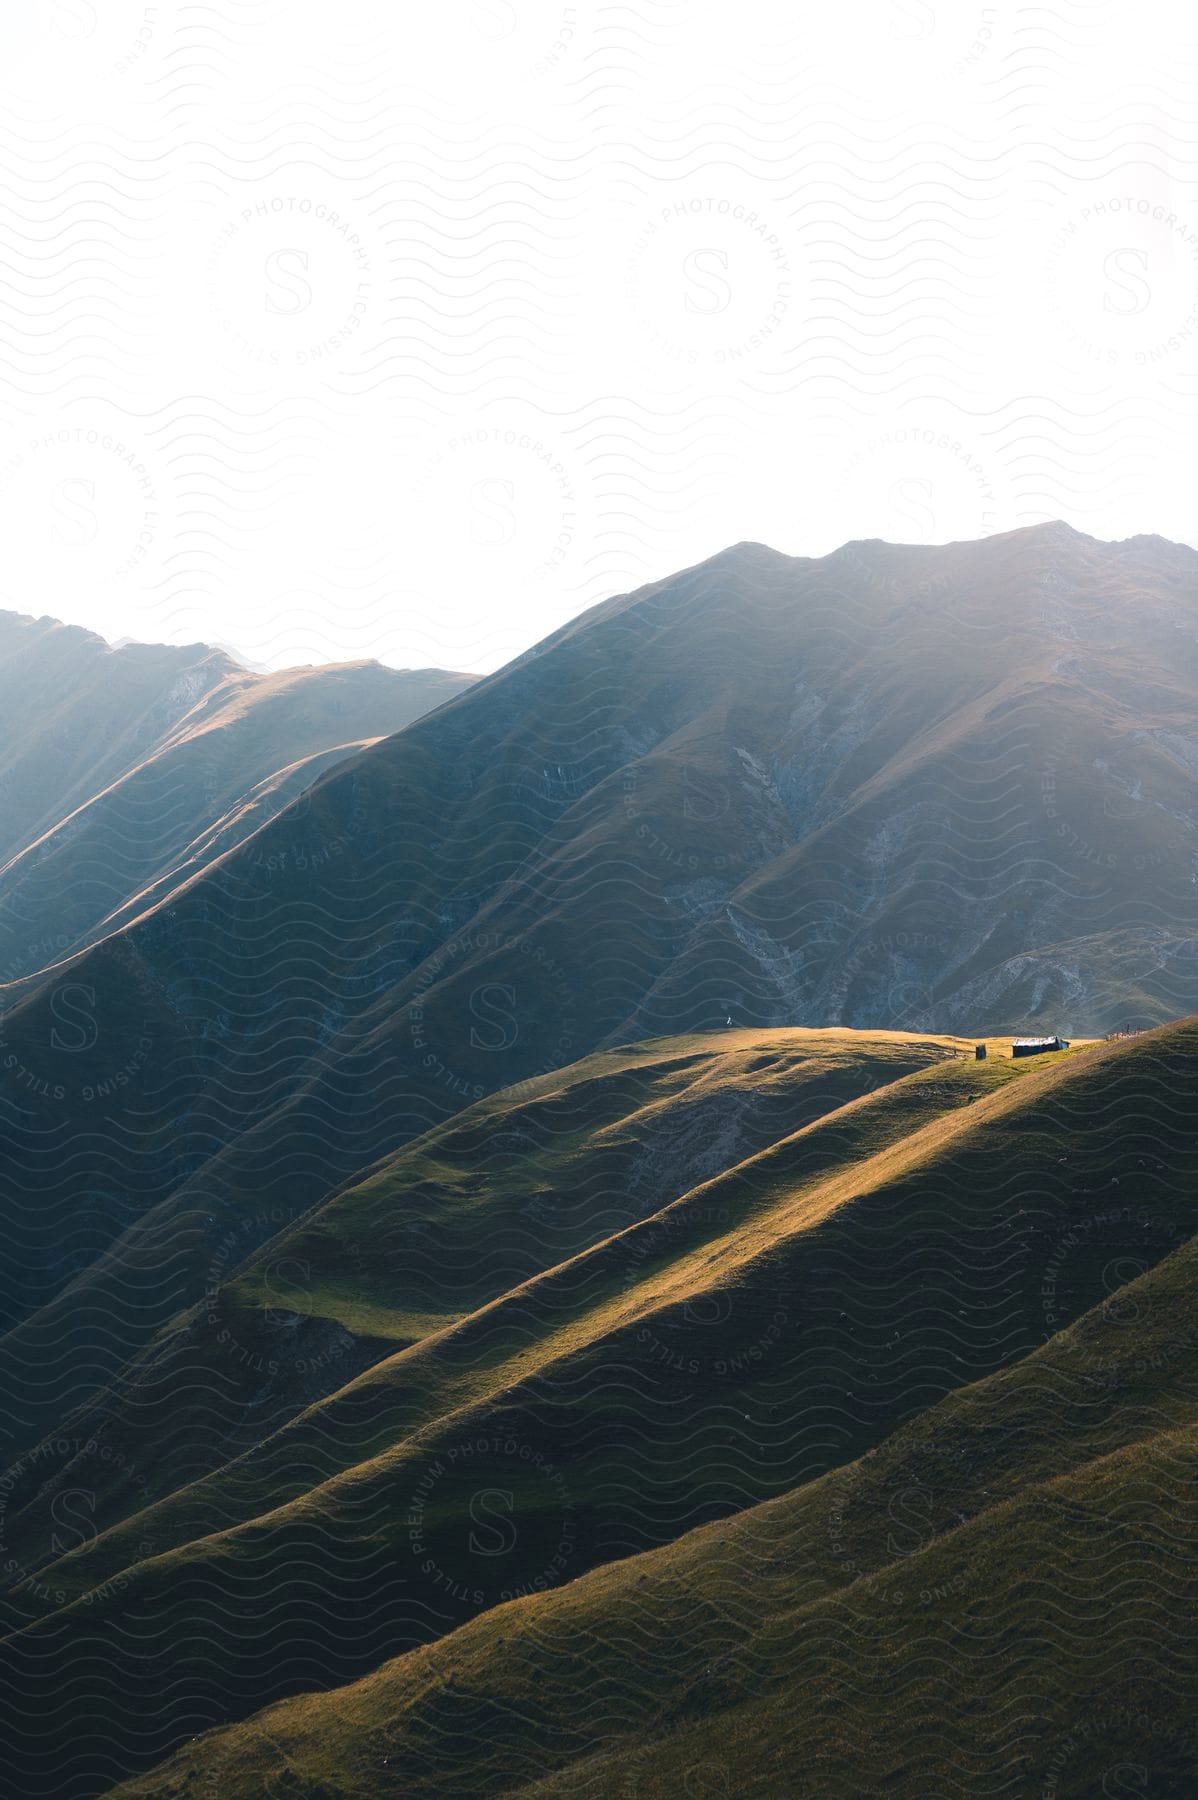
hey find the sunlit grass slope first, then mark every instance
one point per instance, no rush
(773, 1324)
(1001, 1598)
(997, 1598)
(475, 1207)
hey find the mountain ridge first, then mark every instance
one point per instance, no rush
(127, 765)
(723, 796)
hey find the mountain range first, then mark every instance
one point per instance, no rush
(588, 1067)
(126, 770)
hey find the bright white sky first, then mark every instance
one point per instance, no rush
(408, 330)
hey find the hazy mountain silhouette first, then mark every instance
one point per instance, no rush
(125, 769)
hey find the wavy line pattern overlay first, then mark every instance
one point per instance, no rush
(531, 1265)
(409, 337)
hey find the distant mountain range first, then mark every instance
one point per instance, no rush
(298, 1197)
(124, 771)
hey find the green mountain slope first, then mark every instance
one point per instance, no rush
(828, 1298)
(899, 1627)
(503, 1191)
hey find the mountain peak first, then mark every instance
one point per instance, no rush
(1055, 531)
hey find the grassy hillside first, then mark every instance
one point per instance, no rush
(501, 1192)
(901, 1270)
(999, 1599)
(883, 788)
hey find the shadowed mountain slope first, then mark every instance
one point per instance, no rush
(999, 1599)
(949, 788)
(79, 715)
(127, 770)
(821, 1299)
(510, 1187)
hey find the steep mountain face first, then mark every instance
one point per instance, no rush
(78, 715)
(903, 1378)
(949, 788)
(125, 771)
